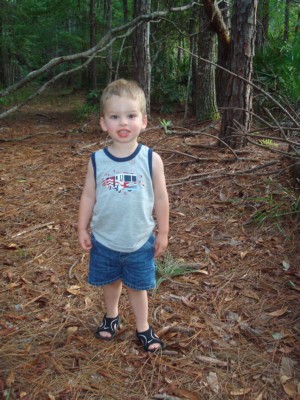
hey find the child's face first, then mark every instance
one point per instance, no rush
(123, 119)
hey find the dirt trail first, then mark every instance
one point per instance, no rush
(232, 326)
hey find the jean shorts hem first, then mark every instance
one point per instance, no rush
(149, 287)
(104, 283)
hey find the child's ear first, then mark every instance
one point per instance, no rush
(102, 124)
(145, 121)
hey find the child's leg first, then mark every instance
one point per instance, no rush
(139, 303)
(112, 294)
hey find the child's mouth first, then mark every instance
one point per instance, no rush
(123, 134)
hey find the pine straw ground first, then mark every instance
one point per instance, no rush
(232, 327)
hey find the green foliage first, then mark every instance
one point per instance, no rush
(19, 96)
(268, 142)
(169, 268)
(277, 67)
(92, 98)
(170, 76)
(166, 125)
(83, 112)
(91, 106)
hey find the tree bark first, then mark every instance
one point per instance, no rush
(93, 65)
(206, 103)
(262, 25)
(141, 49)
(217, 20)
(125, 11)
(223, 52)
(238, 99)
(2, 54)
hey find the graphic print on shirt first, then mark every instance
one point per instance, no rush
(123, 182)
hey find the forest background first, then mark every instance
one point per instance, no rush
(223, 86)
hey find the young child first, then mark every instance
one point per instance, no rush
(124, 182)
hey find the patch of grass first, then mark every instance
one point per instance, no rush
(19, 96)
(169, 268)
(278, 205)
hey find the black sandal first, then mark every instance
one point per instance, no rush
(148, 338)
(109, 325)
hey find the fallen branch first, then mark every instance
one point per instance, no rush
(20, 139)
(212, 136)
(207, 176)
(33, 228)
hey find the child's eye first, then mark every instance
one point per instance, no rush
(132, 116)
(113, 116)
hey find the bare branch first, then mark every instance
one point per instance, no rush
(98, 47)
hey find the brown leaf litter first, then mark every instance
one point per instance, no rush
(232, 329)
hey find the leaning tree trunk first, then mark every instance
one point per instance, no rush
(238, 100)
(206, 103)
(141, 49)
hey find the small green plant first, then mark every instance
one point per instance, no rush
(268, 142)
(166, 124)
(22, 253)
(92, 98)
(168, 268)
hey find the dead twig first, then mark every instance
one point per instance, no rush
(71, 275)
(33, 228)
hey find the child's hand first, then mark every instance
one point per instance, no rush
(161, 243)
(85, 240)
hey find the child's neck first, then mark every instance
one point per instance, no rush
(122, 150)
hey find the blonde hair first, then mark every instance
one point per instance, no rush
(123, 87)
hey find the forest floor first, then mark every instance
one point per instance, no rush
(231, 325)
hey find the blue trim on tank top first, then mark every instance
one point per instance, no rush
(123, 159)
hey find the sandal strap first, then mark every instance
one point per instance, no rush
(148, 338)
(109, 325)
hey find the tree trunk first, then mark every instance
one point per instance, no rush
(125, 11)
(93, 65)
(238, 100)
(193, 61)
(2, 80)
(5, 58)
(206, 103)
(297, 27)
(223, 52)
(262, 25)
(141, 50)
(286, 20)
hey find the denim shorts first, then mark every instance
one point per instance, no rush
(136, 270)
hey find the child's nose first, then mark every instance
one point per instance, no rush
(123, 121)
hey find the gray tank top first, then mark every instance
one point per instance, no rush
(122, 217)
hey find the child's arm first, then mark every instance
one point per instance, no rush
(87, 202)
(161, 205)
